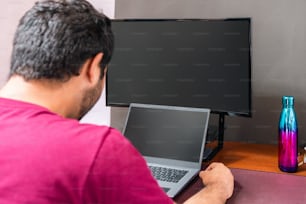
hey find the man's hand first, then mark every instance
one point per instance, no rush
(219, 178)
(219, 185)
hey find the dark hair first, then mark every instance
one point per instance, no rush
(55, 37)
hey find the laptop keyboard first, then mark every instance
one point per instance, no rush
(167, 174)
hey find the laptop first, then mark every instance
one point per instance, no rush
(171, 139)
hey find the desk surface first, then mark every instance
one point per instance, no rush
(260, 157)
(248, 163)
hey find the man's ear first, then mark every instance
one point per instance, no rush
(91, 69)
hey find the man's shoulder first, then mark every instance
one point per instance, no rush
(88, 133)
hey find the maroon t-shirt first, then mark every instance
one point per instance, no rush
(45, 158)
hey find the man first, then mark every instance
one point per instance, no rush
(60, 54)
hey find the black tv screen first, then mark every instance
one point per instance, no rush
(204, 63)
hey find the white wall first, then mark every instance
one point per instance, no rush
(11, 12)
(9, 16)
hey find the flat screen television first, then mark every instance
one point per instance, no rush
(204, 63)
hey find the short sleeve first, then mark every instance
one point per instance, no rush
(119, 174)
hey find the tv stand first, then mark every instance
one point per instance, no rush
(214, 145)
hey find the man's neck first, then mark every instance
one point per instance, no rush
(50, 95)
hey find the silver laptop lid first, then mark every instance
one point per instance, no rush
(167, 132)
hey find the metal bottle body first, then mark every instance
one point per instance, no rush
(288, 137)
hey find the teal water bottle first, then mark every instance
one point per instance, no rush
(288, 137)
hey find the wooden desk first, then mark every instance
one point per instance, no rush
(235, 155)
(260, 157)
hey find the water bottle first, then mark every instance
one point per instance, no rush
(288, 137)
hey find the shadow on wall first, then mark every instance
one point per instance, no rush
(263, 126)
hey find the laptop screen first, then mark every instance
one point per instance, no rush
(166, 131)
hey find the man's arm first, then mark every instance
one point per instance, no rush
(219, 185)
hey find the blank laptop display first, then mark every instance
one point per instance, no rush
(171, 139)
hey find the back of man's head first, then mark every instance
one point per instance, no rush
(55, 37)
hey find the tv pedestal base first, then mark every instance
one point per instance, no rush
(215, 144)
